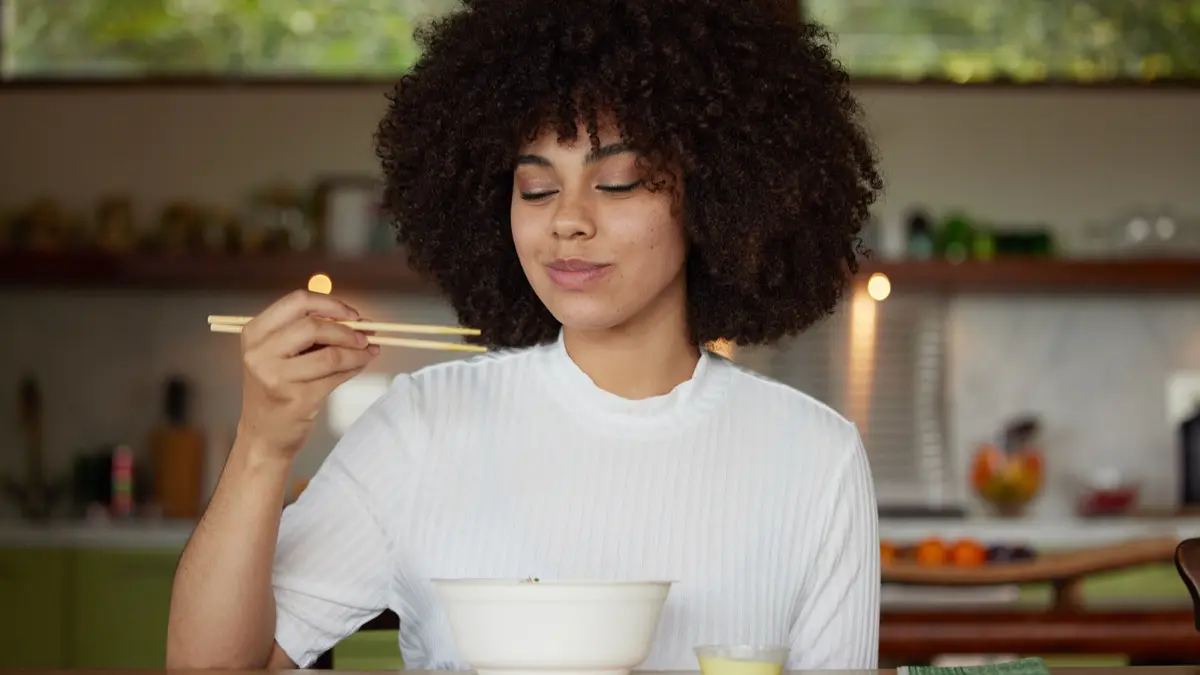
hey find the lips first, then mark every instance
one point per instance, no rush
(576, 273)
(574, 265)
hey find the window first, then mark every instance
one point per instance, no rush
(906, 40)
(1017, 40)
(123, 39)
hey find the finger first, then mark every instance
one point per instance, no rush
(311, 332)
(366, 319)
(293, 306)
(326, 362)
(336, 380)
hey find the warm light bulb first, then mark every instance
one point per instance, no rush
(319, 283)
(879, 286)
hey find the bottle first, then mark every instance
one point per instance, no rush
(177, 456)
(955, 238)
(920, 236)
(122, 502)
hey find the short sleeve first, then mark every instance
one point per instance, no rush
(332, 567)
(838, 625)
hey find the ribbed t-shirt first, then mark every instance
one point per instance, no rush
(755, 498)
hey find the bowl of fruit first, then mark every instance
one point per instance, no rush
(1008, 474)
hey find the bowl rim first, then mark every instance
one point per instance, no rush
(506, 581)
(743, 645)
(782, 651)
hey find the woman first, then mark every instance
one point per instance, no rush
(602, 188)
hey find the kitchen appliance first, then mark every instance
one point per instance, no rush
(1189, 456)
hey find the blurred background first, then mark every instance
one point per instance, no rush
(1021, 352)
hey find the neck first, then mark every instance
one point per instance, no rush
(638, 360)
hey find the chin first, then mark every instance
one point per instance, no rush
(585, 314)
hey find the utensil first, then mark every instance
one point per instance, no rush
(529, 627)
(234, 324)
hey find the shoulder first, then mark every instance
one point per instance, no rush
(454, 386)
(462, 377)
(395, 429)
(785, 404)
(804, 426)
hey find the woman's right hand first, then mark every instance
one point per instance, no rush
(293, 356)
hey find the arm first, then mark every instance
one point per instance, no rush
(301, 582)
(229, 556)
(222, 611)
(838, 625)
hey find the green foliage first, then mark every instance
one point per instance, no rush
(212, 37)
(1022, 40)
(963, 40)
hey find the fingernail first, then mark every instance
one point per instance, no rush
(373, 349)
(362, 339)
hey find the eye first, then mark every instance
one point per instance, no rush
(537, 195)
(620, 188)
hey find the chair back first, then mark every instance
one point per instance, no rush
(1187, 563)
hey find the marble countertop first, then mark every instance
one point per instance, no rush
(1048, 533)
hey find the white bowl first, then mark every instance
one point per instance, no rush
(521, 627)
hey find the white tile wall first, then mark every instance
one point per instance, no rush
(1094, 368)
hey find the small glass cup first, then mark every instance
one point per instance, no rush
(742, 659)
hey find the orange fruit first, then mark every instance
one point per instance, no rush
(984, 465)
(968, 553)
(931, 552)
(887, 553)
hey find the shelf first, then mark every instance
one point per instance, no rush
(1032, 275)
(267, 272)
(389, 273)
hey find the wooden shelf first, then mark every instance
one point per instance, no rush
(1032, 275)
(389, 273)
(267, 272)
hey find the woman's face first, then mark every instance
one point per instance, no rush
(600, 250)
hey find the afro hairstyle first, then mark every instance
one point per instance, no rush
(750, 107)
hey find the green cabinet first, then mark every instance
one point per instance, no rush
(1154, 585)
(34, 630)
(108, 607)
(119, 607)
(369, 650)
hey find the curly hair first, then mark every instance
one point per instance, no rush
(753, 110)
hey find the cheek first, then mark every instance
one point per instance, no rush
(522, 229)
(656, 239)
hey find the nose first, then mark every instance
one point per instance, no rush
(573, 219)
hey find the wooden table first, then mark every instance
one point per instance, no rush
(1146, 636)
(1149, 636)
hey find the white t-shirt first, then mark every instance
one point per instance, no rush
(755, 498)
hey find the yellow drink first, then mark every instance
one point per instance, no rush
(718, 665)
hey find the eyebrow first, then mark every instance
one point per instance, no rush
(594, 156)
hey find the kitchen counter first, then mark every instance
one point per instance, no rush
(81, 534)
(1059, 533)
(1066, 533)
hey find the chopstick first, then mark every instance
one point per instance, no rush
(234, 324)
(377, 326)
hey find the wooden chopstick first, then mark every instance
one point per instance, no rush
(381, 341)
(374, 326)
